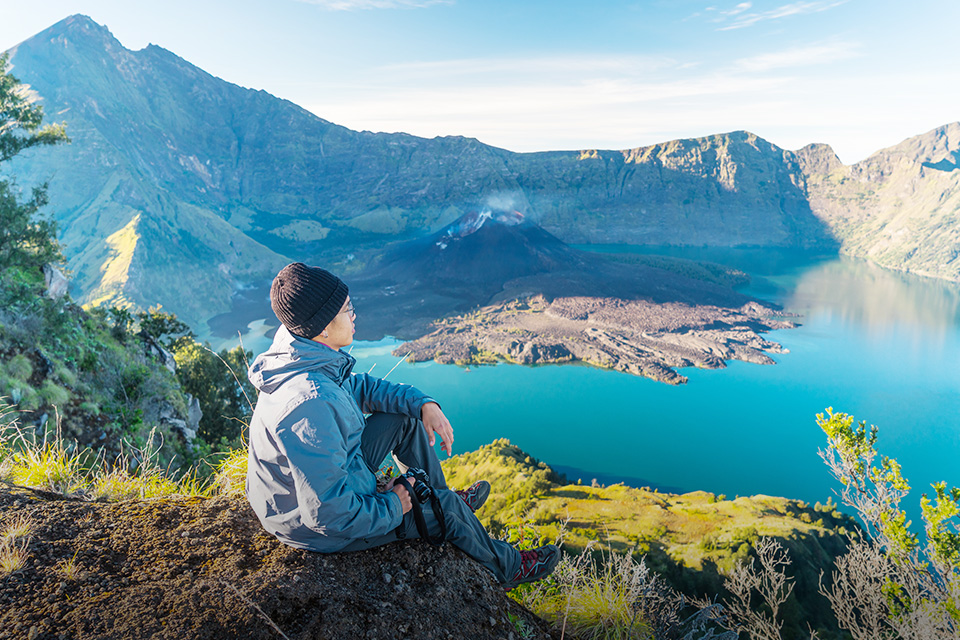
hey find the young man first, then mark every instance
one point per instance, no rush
(313, 455)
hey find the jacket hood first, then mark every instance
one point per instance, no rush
(291, 355)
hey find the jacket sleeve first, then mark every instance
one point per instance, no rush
(374, 394)
(328, 504)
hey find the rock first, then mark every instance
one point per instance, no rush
(194, 412)
(638, 337)
(154, 349)
(169, 416)
(56, 282)
(239, 582)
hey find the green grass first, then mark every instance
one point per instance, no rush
(52, 464)
(19, 367)
(47, 463)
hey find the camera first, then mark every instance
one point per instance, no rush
(424, 493)
(422, 488)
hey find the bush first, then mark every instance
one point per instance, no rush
(53, 394)
(618, 598)
(19, 367)
(889, 584)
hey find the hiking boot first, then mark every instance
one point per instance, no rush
(475, 495)
(535, 564)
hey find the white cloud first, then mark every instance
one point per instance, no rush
(613, 102)
(817, 54)
(354, 5)
(742, 19)
(740, 8)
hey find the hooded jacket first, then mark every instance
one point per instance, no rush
(307, 480)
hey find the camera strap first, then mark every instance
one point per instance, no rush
(418, 516)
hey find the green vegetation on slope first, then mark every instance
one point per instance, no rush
(691, 539)
(100, 379)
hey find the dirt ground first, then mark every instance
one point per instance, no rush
(202, 568)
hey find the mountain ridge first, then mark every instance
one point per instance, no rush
(233, 182)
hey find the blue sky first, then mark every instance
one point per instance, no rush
(564, 74)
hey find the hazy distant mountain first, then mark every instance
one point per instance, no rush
(178, 186)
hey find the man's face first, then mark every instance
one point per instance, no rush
(339, 333)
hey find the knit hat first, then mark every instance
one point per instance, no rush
(306, 298)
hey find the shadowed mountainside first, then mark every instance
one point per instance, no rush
(491, 256)
(900, 207)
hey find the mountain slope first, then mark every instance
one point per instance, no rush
(121, 191)
(900, 207)
(228, 182)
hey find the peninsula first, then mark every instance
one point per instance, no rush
(634, 336)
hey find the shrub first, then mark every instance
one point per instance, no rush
(19, 367)
(53, 394)
(889, 584)
(618, 598)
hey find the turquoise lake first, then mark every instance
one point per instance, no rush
(880, 345)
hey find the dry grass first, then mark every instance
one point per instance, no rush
(53, 465)
(14, 541)
(68, 569)
(13, 556)
(617, 597)
(230, 478)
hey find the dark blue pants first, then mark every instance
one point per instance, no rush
(407, 439)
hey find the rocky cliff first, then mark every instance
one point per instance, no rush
(178, 181)
(899, 208)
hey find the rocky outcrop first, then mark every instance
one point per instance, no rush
(55, 282)
(194, 568)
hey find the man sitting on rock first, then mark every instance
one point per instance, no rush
(311, 477)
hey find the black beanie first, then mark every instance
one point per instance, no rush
(306, 299)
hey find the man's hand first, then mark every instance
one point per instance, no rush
(405, 500)
(436, 423)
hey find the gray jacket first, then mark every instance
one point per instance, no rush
(307, 480)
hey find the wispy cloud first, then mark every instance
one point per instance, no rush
(538, 66)
(740, 8)
(817, 54)
(359, 5)
(603, 100)
(741, 16)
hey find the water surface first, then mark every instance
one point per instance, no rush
(881, 345)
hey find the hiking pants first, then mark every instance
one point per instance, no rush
(407, 439)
